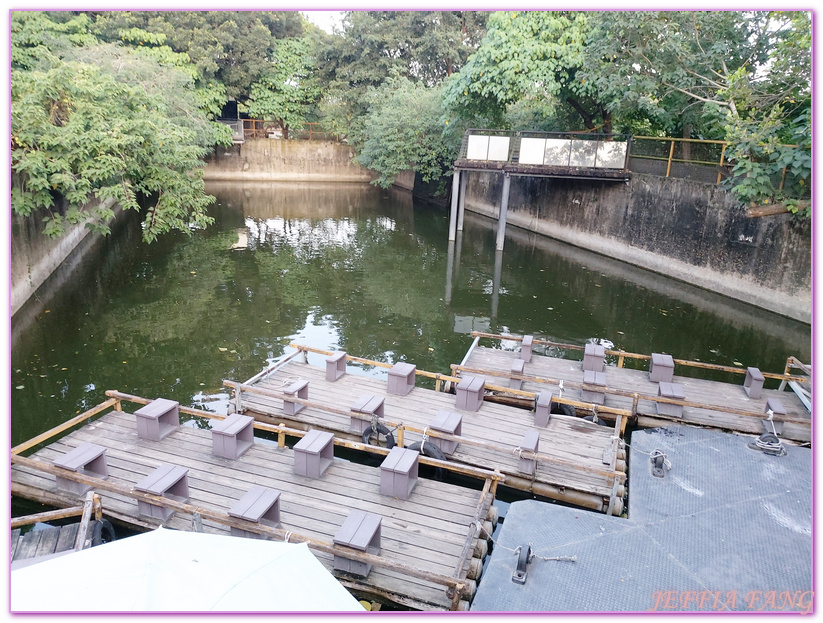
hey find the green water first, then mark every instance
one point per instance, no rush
(349, 267)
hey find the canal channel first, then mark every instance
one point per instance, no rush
(348, 267)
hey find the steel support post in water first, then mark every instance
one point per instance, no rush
(498, 270)
(504, 207)
(455, 197)
(461, 205)
(449, 271)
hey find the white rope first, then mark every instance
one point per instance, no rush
(652, 455)
(560, 393)
(770, 446)
(656, 453)
(516, 551)
(288, 535)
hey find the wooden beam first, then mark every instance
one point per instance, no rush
(64, 426)
(60, 513)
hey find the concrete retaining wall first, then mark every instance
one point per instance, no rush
(689, 230)
(34, 257)
(276, 160)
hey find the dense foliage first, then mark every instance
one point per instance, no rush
(94, 121)
(119, 105)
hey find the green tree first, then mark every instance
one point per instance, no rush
(425, 46)
(533, 57)
(287, 90)
(405, 128)
(232, 48)
(98, 121)
(744, 76)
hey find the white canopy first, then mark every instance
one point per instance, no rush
(171, 570)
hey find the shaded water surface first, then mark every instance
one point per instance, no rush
(350, 267)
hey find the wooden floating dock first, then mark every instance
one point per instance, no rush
(576, 461)
(37, 545)
(431, 552)
(706, 403)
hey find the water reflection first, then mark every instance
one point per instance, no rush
(342, 266)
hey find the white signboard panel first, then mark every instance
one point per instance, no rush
(583, 153)
(557, 152)
(611, 155)
(532, 150)
(478, 147)
(499, 148)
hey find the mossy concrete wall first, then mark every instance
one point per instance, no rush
(277, 160)
(34, 256)
(692, 231)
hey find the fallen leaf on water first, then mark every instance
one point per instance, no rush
(193, 272)
(431, 350)
(620, 333)
(222, 350)
(67, 368)
(20, 387)
(48, 311)
(737, 363)
(233, 351)
(125, 362)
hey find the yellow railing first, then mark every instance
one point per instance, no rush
(720, 162)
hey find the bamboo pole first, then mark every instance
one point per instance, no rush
(64, 426)
(430, 432)
(226, 520)
(60, 513)
(468, 550)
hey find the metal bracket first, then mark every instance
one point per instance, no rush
(657, 465)
(519, 575)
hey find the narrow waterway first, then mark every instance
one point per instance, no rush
(350, 267)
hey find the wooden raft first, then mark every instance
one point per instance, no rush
(495, 366)
(51, 540)
(577, 461)
(431, 532)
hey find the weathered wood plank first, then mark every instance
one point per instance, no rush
(68, 535)
(27, 548)
(15, 539)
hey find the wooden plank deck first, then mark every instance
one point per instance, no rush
(43, 542)
(714, 393)
(580, 446)
(429, 531)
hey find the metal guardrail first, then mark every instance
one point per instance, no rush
(268, 128)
